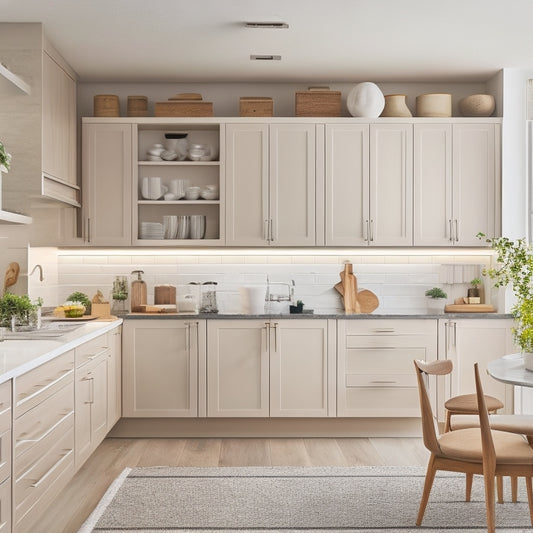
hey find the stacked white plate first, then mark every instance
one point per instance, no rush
(151, 230)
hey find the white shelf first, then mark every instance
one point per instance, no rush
(7, 217)
(14, 79)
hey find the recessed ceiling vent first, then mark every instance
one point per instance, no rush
(264, 57)
(268, 25)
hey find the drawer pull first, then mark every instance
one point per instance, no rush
(384, 330)
(25, 397)
(47, 432)
(384, 381)
(43, 478)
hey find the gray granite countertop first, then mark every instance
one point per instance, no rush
(316, 315)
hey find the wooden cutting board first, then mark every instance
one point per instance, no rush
(12, 275)
(366, 301)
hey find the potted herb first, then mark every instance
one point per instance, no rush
(474, 290)
(298, 308)
(514, 269)
(20, 307)
(434, 297)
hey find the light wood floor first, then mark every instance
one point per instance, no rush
(87, 487)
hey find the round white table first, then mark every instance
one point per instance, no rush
(510, 369)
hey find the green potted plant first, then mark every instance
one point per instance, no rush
(434, 297)
(474, 290)
(20, 307)
(514, 269)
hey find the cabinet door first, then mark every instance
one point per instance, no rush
(160, 368)
(474, 182)
(90, 425)
(107, 179)
(347, 192)
(114, 377)
(247, 201)
(59, 122)
(391, 185)
(237, 368)
(292, 184)
(470, 341)
(433, 185)
(300, 369)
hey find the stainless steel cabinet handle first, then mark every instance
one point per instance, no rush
(384, 381)
(275, 326)
(366, 231)
(384, 330)
(451, 231)
(266, 329)
(456, 230)
(265, 231)
(271, 231)
(371, 230)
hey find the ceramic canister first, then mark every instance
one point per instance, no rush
(395, 106)
(434, 105)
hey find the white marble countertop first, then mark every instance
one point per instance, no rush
(510, 369)
(19, 356)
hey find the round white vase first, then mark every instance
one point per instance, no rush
(528, 360)
(365, 100)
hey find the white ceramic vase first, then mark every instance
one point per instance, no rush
(528, 360)
(365, 100)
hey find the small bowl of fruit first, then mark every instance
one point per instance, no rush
(72, 309)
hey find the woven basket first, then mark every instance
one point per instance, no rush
(137, 106)
(184, 108)
(106, 105)
(318, 104)
(256, 106)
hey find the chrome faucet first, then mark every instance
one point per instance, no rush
(280, 297)
(41, 278)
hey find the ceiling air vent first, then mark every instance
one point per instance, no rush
(268, 25)
(264, 57)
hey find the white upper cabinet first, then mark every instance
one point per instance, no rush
(271, 184)
(456, 183)
(369, 185)
(107, 182)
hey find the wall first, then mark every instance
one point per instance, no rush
(399, 279)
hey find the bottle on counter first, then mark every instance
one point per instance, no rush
(209, 297)
(119, 294)
(138, 293)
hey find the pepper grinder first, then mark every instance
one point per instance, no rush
(138, 293)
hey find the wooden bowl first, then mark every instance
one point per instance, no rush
(477, 105)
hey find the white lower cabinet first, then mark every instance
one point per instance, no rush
(161, 367)
(276, 368)
(114, 377)
(5, 456)
(375, 372)
(469, 341)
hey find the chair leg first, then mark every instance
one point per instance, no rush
(530, 498)
(469, 479)
(447, 422)
(489, 501)
(430, 476)
(514, 489)
(499, 488)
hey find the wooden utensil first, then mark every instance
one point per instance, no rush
(12, 275)
(349, 282)
(366, 301)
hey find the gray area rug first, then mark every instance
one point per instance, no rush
(294, 499)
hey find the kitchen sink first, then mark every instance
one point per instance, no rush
(48, 330)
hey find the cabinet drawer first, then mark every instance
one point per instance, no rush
(44, 477)
(38, 384)
(378, 360)
(371, 402)
(91, 350)
(390, 327)
(5, 506)
(5, 455)
(5, 407)
(381, 380)
(34, 427)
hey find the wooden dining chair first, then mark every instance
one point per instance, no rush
(480, 450)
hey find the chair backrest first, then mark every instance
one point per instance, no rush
(487, 443)
(429, 424)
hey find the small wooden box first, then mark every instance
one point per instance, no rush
(256, 106)
(318, 104)
(101, 310)
(185, 108)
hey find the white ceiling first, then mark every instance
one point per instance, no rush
(327, 40)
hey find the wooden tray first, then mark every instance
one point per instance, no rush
(469, 308)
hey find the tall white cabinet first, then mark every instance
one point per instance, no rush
(271, 184)
(456, 177)
(369, 184)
